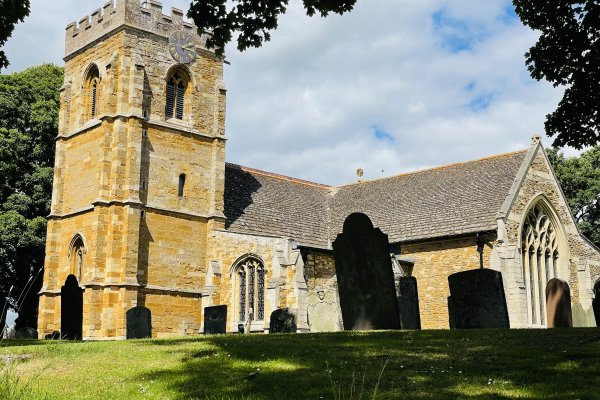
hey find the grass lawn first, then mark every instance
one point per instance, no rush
(474, 364)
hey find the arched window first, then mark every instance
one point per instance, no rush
(540, 258)
(176, 87)
(76, 256)
(181, 185)
(250, 282)
(92, 81)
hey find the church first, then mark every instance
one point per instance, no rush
(147, 213)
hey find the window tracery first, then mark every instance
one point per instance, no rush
(251, 290)
(540, 260)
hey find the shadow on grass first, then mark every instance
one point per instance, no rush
(21, 342)
(477, 364)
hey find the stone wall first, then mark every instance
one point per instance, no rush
(434, 262)
(116, 174)
(284, 271)
(578, 258)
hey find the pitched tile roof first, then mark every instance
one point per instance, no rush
(262, 203)
(449, 200)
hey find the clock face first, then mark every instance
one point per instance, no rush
(182, 47)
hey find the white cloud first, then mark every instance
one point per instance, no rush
(305, 104)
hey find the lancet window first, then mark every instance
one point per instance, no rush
(540, 256)
(251, 290)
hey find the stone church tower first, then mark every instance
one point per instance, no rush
(139, 174)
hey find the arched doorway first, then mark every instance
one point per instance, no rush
(596, 302)
(71, 306)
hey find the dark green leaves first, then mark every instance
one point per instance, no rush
(580, 180)
(11, 12)
(251, 19)
(29, 105)
(567, 54)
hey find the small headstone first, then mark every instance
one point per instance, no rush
(558, 304)
(283, 320)
(579, 316)
(365, 276)
(139, 323)
(323, 310)
(55, 335)
(215, 320)
(26, 333)
(477, 300)
(408, 303)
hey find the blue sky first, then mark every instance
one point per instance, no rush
(394, 86)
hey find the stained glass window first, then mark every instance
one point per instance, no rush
(540, 260)
(251, 289)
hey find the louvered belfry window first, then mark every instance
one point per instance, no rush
(92, 81)
(251, 290)
(540, 260)
(94, 99)
(175, 97)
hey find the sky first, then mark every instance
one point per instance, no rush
(394, 86)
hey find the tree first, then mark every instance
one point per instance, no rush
(29, 104)
(11, 13)
(252, 19)
(567, 54)
(580, 181)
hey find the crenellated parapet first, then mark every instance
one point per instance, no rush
(115, 14)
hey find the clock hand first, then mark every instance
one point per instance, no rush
(189, 47)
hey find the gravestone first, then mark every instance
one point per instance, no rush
(26, 333)
(408, 303)
(558, 304)
(139, 323)
(71, 313)
(215, 320)
(55, 335)
(365, 277)
(324, 313)
(283, 320)
(477, 300)
(596, 303)
(579, 316)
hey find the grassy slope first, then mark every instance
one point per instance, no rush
(503, 364)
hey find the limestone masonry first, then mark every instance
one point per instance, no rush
(147, 213)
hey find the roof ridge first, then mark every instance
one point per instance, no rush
(278, 176)
(440, 167)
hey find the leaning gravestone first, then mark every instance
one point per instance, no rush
(408, 303)
(558, 304)
(139, 323)
(477, 300)
(215, 320)
(283, 320)
(26, 333)
(365, 277)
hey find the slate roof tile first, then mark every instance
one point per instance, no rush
(450, 200)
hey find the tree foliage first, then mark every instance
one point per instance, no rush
(29, 104)
(11, 13)
(251, 19)
(580, 181)
(567, 54)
